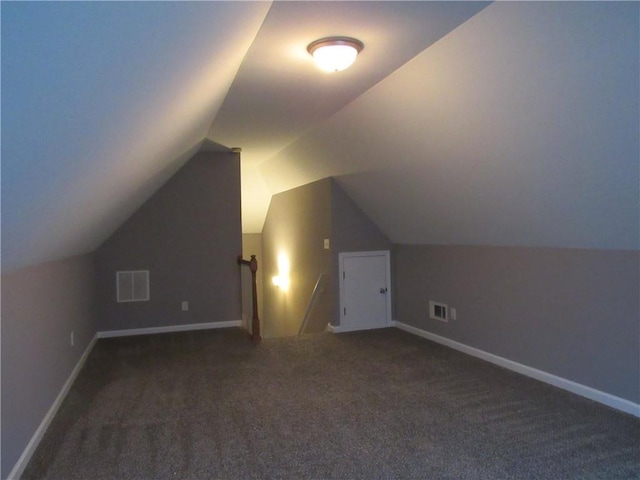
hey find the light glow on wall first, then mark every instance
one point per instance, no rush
(282, 280)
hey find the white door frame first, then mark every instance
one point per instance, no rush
(377, 253)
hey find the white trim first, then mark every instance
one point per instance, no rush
(169, 328)
(618, 403)
(377, 253)
(22, 462)
(341, 329)
(334, 329)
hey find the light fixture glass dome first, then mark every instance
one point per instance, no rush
(335, 53)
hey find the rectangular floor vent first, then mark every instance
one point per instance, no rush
(438, 311)
(132, 286)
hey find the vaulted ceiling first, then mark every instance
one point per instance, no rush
(460, 122)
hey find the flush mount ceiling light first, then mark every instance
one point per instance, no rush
(334, 54)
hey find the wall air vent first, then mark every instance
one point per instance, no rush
(438, 311)
(132, 286)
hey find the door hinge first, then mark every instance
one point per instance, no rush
(345, 311)
(343, 275)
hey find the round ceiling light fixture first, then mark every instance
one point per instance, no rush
(334, 54)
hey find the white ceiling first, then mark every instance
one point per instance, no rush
(512, 124)
(101, 103)
(278, 93)
(520, 128)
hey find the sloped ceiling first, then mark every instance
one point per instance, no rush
(101, 103)
(460, 123)
(279, 94)
(520, 128)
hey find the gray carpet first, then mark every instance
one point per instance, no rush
(364, 405)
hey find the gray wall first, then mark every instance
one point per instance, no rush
(570, 312)
(352, 231)
(297, 223)
(41, 306)
(188, 235)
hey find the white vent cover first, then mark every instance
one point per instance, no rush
(438, 311)
(132, 286)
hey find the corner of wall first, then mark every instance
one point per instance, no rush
(297, 223)
(188, 235)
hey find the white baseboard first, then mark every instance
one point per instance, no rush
(22, 462)
(334, 329)
(342, 329)
(168, 329)
(571, 386)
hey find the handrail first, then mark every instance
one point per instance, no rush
(312, 301)
(255, 321)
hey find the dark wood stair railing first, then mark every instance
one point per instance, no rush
(255, 321)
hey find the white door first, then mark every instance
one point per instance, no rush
(365, 290)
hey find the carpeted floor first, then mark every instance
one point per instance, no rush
(364, 405)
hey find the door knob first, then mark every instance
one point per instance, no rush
(383, 290)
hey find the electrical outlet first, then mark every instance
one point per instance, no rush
(72, 340)
(327, 244)
(452, 313)
(185, 306)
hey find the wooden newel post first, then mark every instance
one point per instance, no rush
(255, 321)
